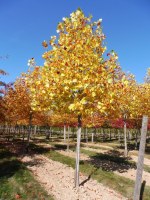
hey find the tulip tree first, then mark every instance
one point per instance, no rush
(126, 105)
(145, 95)
(75, 77)
(18, 107)
(139, 100)
(143, 100)
(136, 102)
(18, 101)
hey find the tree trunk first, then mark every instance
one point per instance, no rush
(48, 135)
(73, 134)
(68, 138)
(109, 134)
(136, 140)
(140, 163)
(78, 152)
(23, 134)
(125, 140)
(29, 133)
(119, 139)
(92, 140)
(103, 135)
(95, 134)
(64, 133)
(86, 132)
(35, 128)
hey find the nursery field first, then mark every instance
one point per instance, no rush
(77, 126)
(48, 167)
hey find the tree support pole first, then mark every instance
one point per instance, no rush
(78, 152)
(140, 163)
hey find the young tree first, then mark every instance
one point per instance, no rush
(18, 101)
(75, 77)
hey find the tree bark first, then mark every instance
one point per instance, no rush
(48, 135)
(125, 140)
(78, 152)
(68, 138)
(109, 134)
(136, 140)
(103, 135)
(29, 133)
(35, 129)
(119, 139)
(86, 132)
(64, 133)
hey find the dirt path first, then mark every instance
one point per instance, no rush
(129, 173)
(58, 180)
(146, 160)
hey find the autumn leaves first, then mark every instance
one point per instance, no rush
(77, 78)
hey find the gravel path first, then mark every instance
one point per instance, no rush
(58, 180)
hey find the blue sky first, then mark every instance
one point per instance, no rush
(24, 24)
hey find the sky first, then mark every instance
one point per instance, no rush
(25, 24)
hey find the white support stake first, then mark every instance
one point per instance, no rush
(140, 163)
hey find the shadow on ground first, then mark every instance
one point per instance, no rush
(64, 147)
(9, 168)
(112, 161)
(36, 149)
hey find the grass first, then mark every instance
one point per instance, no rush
(146, 168)
(118, 159)
(95, 147)
(120, 184)
(16, 182)
(131, 152)
(135, 153)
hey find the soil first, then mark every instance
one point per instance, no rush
(58, 180)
